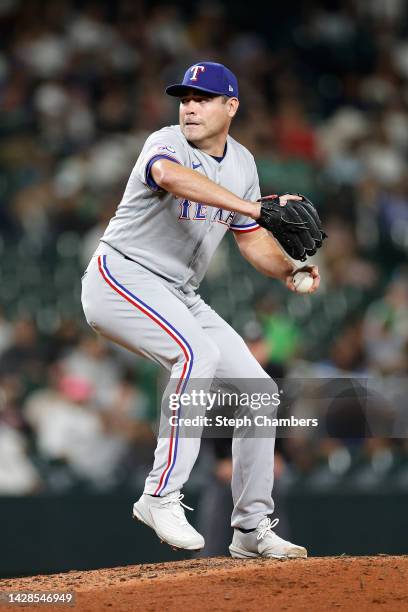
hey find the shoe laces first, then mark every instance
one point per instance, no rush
(174, 501)
(266, 527)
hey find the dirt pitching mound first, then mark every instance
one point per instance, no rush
(344, 583)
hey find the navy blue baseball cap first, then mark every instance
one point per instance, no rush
(209, 77)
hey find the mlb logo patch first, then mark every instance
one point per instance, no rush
(166, 148)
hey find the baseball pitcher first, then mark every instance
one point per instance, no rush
(190, 185)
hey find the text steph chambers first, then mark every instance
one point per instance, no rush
(259, 420)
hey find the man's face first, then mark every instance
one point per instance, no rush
(203, 116)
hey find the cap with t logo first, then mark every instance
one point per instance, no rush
(208, 77)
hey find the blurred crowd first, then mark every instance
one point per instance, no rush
(324, 109)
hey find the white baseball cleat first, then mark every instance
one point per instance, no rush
(165, 515)
(263, 542)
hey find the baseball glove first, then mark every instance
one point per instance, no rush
(296, 226)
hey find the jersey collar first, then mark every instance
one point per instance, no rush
(217, 158)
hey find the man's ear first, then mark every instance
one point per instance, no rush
(233, 104)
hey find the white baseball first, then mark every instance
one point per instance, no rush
(302, 281)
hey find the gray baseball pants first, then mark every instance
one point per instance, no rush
(142, 312)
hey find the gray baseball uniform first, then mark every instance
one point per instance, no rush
(139, 291)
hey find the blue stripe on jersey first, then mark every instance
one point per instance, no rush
(234, 225)
(149, 179)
